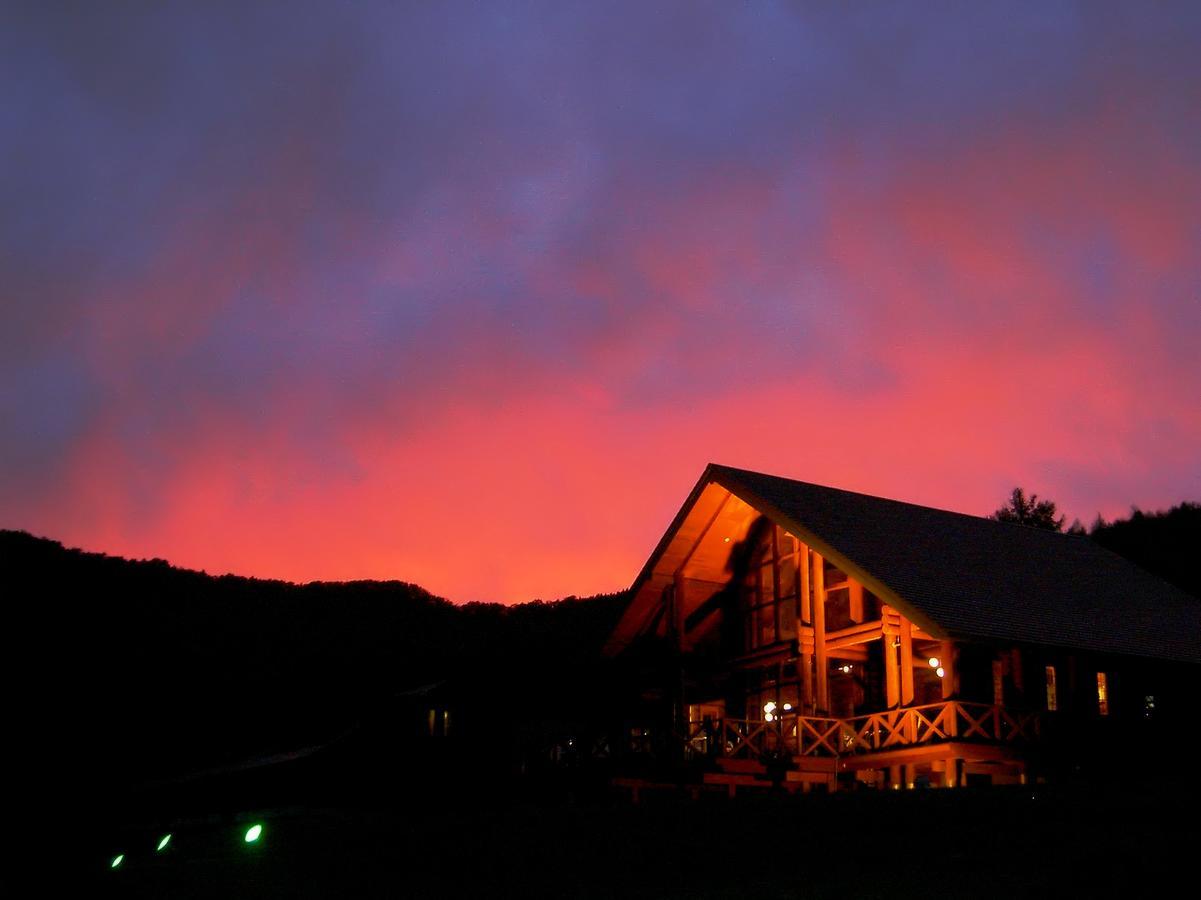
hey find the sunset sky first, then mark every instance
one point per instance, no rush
(468, 294)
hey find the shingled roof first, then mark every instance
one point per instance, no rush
(973, 577)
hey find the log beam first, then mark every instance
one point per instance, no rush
(856, 601)
(805, 611)
(906, 637)
(822, 679)
(892, 669)
(948, 654)
(855, 634)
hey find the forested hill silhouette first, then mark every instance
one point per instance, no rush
(130, 670)
(1164, 543)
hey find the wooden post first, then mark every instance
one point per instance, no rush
(855, 596)
(906, 662)
(776, 609)
(819, 634)
(892, 672)
(950, 679)
(677, 609)
(806, 598)
(775, 570)
(950, 775)
(806, 664)
(805, 612)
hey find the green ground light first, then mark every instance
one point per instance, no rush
(253, 833)
(162, 845)
(116, 860)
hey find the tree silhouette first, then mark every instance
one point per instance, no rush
(1029, 511)
(1163, 542)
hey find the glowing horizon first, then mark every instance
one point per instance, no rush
(468, 297)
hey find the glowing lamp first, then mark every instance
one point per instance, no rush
(162, 845)
(726, 540)
(787, 707)
(253, 833)
(940, 671)
(117, 860)
(935, 662)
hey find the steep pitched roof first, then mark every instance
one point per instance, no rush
(972, 577)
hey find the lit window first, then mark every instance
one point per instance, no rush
(1052, 695)
(1102, 694)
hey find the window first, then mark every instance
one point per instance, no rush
(1102, 694)
(438, 721)
(770, 591)
(1052, 694)
(777, 685)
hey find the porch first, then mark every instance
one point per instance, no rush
(939, 744)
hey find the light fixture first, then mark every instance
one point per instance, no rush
(845, 669)
(935, 662)
(726, 540)
(116, 860)
(940, 671)
(162, 845)
(253, 833)
(787, 707)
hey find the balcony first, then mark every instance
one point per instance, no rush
(874, 734)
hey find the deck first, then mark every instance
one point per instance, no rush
(944, 741)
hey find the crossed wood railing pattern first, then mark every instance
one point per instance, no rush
(952, 720)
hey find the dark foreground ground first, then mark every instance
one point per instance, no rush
(965, 843)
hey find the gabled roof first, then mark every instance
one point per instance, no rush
(956, 575)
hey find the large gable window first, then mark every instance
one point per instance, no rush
(770, 590)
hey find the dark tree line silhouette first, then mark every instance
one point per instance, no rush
(122, 672)
(1165, 543)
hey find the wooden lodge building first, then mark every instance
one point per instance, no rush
(819, 637)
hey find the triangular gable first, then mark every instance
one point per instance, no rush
(716, 514)
(954, 575)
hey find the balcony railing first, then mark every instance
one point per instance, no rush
(952, 720)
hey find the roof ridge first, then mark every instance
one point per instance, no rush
(892, 500)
